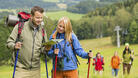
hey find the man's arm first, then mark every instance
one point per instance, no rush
(12, 38)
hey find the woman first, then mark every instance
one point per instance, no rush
(66, 50)
(127, 57)
(98, 61)
(115, 62)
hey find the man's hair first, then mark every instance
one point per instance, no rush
(36, 8)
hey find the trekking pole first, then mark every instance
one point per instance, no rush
(89, 60)
(55, 63)
(46, 66)
(20, 26)
(15, 63)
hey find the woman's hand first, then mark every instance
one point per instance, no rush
(90, 54)
(56, 51)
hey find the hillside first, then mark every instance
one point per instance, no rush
(86, 6)
(103, 46)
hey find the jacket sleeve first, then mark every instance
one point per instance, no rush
(12, 38)
(45, 38)
(51, 52)
(119, 61)
(77, 47)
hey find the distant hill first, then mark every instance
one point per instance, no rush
(86, 6)
(47, 4)
(14, 4)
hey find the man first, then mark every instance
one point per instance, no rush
(30, 45)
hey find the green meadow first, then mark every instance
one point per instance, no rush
(59, 14)
(103, 46)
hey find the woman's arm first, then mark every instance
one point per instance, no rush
(77, 47)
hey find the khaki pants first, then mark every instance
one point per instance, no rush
(22, 73)
(66, 74)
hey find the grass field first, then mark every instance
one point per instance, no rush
(59, 14)
(102, 45)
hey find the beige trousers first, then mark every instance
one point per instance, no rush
(23, 73)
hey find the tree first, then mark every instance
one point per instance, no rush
(135, 12)
(5, 53)
(133, 33)
(122, 18)
(98, 27)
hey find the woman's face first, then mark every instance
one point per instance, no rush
(116, 53)
(127, 47)
(61, 27)
(99, 55)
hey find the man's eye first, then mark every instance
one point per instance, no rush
(38, 17)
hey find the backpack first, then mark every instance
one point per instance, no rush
(23, 17)
(101, 59)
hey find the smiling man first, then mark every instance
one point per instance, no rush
(30, 45)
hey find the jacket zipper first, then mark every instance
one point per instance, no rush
(34, 34)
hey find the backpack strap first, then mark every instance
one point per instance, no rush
(54, 36)
(101, 59)
(23, 17)
(74, 52)
(20, 27)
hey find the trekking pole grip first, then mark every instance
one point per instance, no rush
(88, 56)
(89, 59)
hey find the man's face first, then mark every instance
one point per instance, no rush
(37, 18)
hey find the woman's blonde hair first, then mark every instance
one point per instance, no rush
(68, 28)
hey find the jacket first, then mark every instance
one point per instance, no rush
(115, 61)
(29, 54)
(66, 53)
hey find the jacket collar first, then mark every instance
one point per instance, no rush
(32, 26)
(61, 35)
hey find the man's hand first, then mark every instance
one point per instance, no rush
(18, 45)
(47, 48)
(56, 51)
